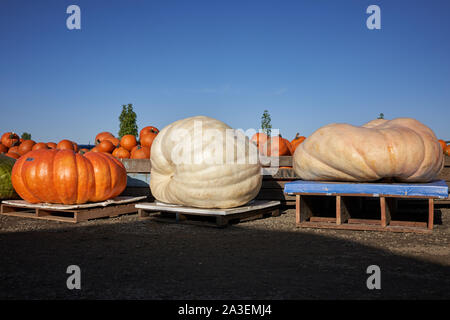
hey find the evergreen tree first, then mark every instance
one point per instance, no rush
(127, 120)
(266, 126)
(381, 116)
(26, 136)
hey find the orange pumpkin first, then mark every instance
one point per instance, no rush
(83, 151)
(102, 136)
(278, 146)
(114, 141)
(147, 130)
(443, 144)
(3, 148)
(51, 145)
(94, 149)
(297, 141)
(14, 149)
(146, 140)
(141, 152)
(10, 139)
(65, 145)
(128, 141)
(63, 176)
(447, 150)
(121, 153)
(75, 147)
(259, 138)
(26, 146)
(105, 146)
(13, 155)
(40, 145)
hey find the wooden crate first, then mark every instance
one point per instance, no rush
(216, 217)
(70, 213)
(343, 219)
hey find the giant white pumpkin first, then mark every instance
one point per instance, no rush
(201, 162)
(403, 149)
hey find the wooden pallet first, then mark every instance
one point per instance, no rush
(306, 210)
(70, 213)
(216, 217)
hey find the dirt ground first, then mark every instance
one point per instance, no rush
(125, 258)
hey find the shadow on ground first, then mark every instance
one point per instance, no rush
(147, 260)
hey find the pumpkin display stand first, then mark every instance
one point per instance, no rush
(346, 205)
(164, 212)
(71, 213)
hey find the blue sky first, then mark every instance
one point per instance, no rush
(310, 63)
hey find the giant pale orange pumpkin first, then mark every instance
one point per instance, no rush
(296, 141)
(63, 176)
(26, 146)
(402, 149)
(10, 139)
(128, 141)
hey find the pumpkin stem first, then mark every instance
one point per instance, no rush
(297, 135)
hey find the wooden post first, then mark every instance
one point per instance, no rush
(385, 212)
(430, 214)
(342, 213)
(297, 209)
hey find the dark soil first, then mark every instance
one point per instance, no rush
(125, 258)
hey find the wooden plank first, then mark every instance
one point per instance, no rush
(363, 227)
(430, 214)
(385, 213)
(342, 212)
(322, 219)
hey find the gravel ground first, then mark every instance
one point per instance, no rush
(125, 258)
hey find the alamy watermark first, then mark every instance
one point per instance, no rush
(74, 280)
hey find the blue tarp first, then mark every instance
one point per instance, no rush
(438, 189)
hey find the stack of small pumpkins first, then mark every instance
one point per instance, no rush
(276, 146)
(14, 147)
(128, 147)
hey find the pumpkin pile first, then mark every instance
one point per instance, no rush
(14, 147)
(128, 147)
(276, 146)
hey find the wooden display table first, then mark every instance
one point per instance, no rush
(312, 197)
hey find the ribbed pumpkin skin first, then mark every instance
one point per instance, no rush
(63, 176)
(205, 184)
(402, 149)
